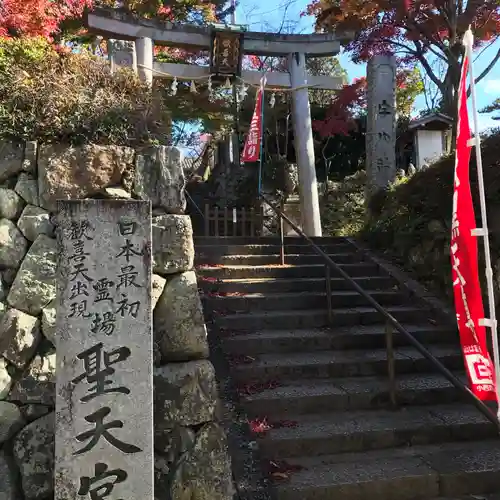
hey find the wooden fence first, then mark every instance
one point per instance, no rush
(220, 222)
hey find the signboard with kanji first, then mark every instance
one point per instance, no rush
(226, 53)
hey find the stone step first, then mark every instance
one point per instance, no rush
(306, 318)
(335, 364)
(274, 259)
(286, 271)
(264, 240)
(482, 496)
(351, 337)
(330, 433)
(283, 285)
(270, 249)
(297, 300)
(278, 399)
(414, 473)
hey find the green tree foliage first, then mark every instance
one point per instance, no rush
(409, 86)
(492, 108)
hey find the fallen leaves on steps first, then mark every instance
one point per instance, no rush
(251, 388)
(280, 470)
(261, 426)
(239, 359)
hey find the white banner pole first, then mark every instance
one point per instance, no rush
(468, 42)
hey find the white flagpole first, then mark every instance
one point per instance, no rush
(491, 322)
(263, 82)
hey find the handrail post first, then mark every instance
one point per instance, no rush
(328, 280)
(391, 366)
(282, 236)
(207, 220)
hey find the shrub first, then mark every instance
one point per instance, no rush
(54, 95)
(413, 219)
(343, 209)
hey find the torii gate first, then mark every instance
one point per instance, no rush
(114, 24)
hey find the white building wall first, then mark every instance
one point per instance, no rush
(430, 146)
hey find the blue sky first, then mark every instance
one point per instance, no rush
(266, 15)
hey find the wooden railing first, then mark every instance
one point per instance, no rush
(221, 222)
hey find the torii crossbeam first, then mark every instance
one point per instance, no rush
(116, 24)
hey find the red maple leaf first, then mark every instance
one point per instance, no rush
(340, 115)
(259, 425)
(38, 17)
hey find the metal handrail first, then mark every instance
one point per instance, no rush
(190, 198)
(391, 322)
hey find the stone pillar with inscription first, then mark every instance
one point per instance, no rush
(100, 350)
(122, 54)
(381, 123)
(104, 400)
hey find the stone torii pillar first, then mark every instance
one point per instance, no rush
(144, 49)
(304, 146)
(147, 32)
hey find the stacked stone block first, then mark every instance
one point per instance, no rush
(191, 456)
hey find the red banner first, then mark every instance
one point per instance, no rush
(464, 260)
(251, 151)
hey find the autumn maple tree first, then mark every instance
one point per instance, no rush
(427, 33)
(50, 18)
(193, 11)
(37, 17)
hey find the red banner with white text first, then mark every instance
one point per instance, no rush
(464, 260)
(251, 151)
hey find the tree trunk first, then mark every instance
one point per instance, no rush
(450, 95)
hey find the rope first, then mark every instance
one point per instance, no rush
(182, 78)
(206, 77)
(278, 89)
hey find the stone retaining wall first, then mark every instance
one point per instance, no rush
(191, 456)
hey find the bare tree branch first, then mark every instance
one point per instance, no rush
(427, 45)
(430, 48)
(488, 68)
(425, 63)
(429, 36)
(485, 48)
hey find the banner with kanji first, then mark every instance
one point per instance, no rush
(464, 260)
(251, 151)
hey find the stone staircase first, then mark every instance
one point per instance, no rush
(316, 396)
